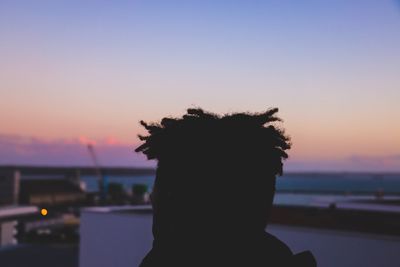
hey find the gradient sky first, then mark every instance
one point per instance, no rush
(73, 71)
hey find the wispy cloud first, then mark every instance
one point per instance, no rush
(110, 151)
(384, 163)
(16, 149)
(390, 162)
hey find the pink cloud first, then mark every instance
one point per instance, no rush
(86, 141)
(385, 163)
(16, 150)
(112, 141)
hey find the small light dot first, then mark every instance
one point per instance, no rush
(43, 212)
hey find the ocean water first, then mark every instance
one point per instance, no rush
(307, 183)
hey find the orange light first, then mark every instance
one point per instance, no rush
(43, 212)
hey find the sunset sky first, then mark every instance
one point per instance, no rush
(73, 72)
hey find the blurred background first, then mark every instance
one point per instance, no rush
(76, 77)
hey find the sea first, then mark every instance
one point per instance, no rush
(293, 189)
(305, 183)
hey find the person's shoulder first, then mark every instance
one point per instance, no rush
(277, 246)
(283, 256)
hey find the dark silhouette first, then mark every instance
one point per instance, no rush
(214, 189)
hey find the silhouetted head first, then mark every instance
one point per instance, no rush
(214, 173)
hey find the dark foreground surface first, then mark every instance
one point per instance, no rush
(40, 255)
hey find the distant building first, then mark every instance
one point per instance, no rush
(50, 192)
(10, 211)
(9, 186)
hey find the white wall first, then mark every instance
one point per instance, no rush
(114, 239)
(122, 239)
(344, 249)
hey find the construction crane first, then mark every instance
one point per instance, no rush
(100, 177)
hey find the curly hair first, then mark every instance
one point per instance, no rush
(201, 135)
(209, 168)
